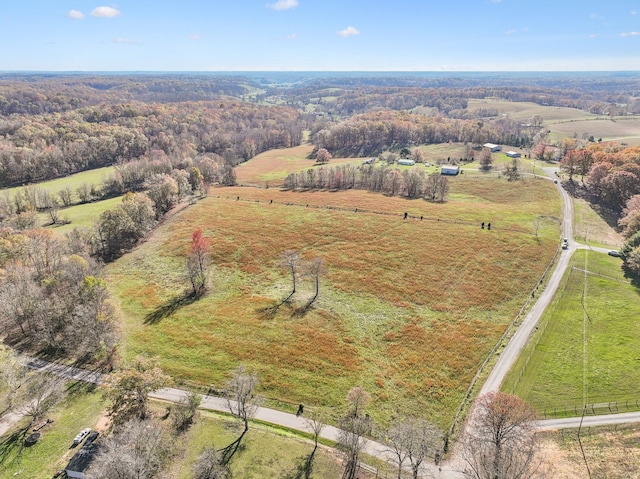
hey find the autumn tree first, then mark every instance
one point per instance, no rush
(198, 263)
(242, 402)
(512, 170)
(486, 159)
(500, 442)
(323, 156)
(354, 426)
(128, 389)
(163, 191)
(39, 393)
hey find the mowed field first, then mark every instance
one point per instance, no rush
(584, 355)
(408, 309)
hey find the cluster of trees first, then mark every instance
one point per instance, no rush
(413, 183)
(35, 148)
(630, 224)
(52, 295)
(372, 133)
(139, 445)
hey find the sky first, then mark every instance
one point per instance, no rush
(320, 35)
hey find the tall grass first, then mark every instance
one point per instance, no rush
(407, 308)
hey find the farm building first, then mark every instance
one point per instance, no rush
(492, 147)
(81, 460)
(513, 154)
(406, 162)
(449, 170)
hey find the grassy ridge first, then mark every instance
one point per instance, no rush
(590, 356)
(408, 308)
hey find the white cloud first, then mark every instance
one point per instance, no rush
(105, 12)
(630, 34)
(511, 31)
(349, 31)
(75, 15)
(195, 37)
(283, 4)
(127, 41)
(291, 36)
(633, 12)
(593, 35)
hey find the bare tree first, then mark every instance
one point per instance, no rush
(511, 170)
(208, 466)
(355, 425)
(184, 411)
(291, 261)
(415, 440)
(243, 403)
(500, 442)
(13, 375)
(315, 424)
(314, 270)
(138, 451)
(485, 159)
(39, 394)
(66, 196)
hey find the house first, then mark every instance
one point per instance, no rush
(451, 170)
(406, 162)
(513, 154)
(81, 460)
(492, 147)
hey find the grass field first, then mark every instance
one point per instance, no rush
(80, 216)
(81, 409)
(579, 358)
(262, 455)
(590, 227)
(407, 308)
(90, 177)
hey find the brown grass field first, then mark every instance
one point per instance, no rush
(407, 308)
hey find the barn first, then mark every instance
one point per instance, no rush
(451, 170)
(406, 162)
(513, 154)
(492, 147)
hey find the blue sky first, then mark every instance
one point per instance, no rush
(352, 35)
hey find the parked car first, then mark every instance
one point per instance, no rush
(81, 435)
(565, 243)
(615, 253)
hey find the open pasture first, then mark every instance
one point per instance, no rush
(407, 308)
(271, 167)
(584, 355)
(524, 111)
(622, 130)
(90, 177)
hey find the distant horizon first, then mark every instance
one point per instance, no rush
(417, 72)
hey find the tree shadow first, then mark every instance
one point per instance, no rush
(13, 442)
(303, 468)
(171, 306)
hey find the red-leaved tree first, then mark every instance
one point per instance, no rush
(198, 263)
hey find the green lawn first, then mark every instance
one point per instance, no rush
(90, 177)
(584, 357)
(80, 216)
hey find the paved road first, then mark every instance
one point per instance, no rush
(512, 350)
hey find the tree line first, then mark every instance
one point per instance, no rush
(370, 134)
(413, 183)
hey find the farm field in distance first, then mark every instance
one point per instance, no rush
(567, 122)
(408, 309)
(585, 357)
